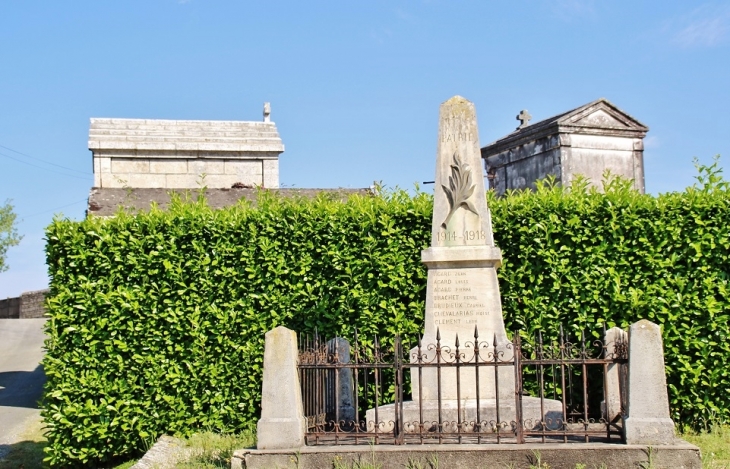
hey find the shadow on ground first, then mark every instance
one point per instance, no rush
(22, 388)
(22, 455)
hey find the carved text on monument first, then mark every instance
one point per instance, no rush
(469, 235)
(457, 137)
(450, 305)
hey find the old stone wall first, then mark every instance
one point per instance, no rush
(591, 155)
(521, 166)
(186, 173)
(27, 305)
(10, 308)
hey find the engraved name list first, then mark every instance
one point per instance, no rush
(455, 300)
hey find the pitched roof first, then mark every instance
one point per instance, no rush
(600, 117)
(183, 135)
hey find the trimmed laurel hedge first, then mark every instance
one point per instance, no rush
(157, 319)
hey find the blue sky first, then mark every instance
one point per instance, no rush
(354, 86)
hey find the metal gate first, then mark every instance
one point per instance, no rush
(373, 391)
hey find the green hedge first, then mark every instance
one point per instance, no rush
(157, 319)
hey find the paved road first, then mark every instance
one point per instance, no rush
(21, 376)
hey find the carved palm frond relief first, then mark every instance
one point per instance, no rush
(460, 189)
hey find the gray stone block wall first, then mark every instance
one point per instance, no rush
(32, 304)
(10, 308)
(520, 167)
(27, 305)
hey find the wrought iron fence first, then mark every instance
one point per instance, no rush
(475, 391)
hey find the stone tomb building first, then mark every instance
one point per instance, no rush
(185, 154)
(140, 161)
(587, 140)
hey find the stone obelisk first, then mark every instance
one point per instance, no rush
(462, 299)
(462, 292)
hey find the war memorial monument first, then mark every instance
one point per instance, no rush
(478, 398)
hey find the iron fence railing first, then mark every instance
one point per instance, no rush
(474, 391)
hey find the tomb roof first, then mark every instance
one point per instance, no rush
(600, 117)
(184, 135)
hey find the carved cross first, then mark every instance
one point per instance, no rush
(524, 117)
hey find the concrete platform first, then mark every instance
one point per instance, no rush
(534, 411)
(680, 455)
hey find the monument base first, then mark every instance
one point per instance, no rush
(278, 433)
(534, 411)
(680, 455)
(649, 431)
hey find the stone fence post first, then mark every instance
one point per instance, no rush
(615, 341)
(282, 424)
(339, 395)
(648, 421)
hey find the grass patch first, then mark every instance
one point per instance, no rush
(213, 450)
(714, 444)
(24, 455)
(28, 452)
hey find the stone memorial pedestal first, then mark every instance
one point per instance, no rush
(462, 298)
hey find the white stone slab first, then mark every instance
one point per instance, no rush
(244, 167)
(121, 166)
(133, 180)
(206, 166)
(271, 173)
(169, 166)
(105, 165)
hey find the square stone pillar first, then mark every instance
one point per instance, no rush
(616, 341)
(282, 424)
(648, 421)
(339, 385)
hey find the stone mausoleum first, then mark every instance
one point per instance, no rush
(140, 161)
(587, 140)
(185, 154)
